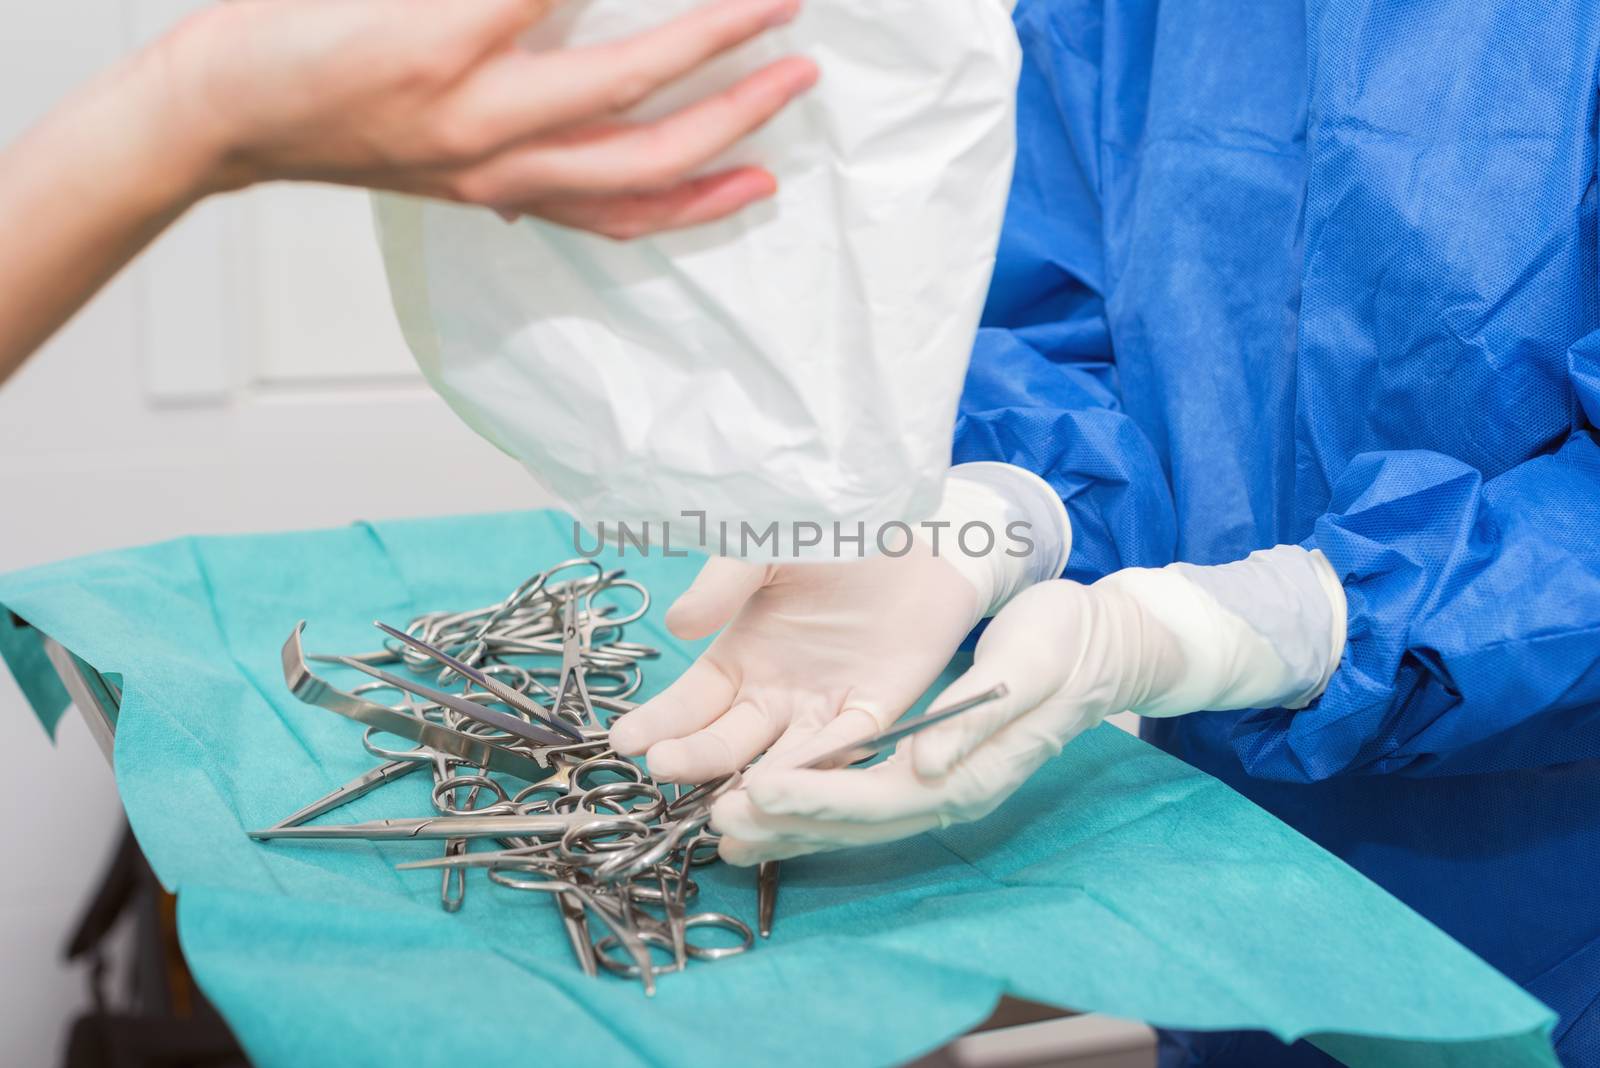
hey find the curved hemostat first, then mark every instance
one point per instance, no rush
(468, 748)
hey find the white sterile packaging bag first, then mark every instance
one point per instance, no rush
(798, 362)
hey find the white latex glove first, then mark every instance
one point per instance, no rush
(1264, 632)
(818, 654)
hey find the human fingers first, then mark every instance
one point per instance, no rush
(725, 745)
(881, 793)
(750, 836)
(694, 699)
(479, 25)
(523, 93)
(941, 747)
(714, 597)
(613, 158)
(893, 792)
(632, 215)
(864, 711)
(747, 853)
(805, 740)
(1033, 647)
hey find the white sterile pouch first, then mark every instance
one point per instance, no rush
(799, 362)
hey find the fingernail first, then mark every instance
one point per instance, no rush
(739, 855)
(768, 184)
(813, 74)
(665, 759)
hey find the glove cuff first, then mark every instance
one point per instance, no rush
(1338, 623)
(1002, 527)
(1267, 631)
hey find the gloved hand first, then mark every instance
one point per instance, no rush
(1267, 631)
(818, 654)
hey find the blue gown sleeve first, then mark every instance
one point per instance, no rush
(1041, 390)
(1474, 615)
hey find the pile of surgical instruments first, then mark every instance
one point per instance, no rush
(526, 690)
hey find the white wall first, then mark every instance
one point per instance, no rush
(252, 350)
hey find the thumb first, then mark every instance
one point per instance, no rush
(941, 747)
(1032, 647)
(715, 596)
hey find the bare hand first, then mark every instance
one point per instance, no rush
(436, 97)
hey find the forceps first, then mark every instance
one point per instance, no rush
(621, 932)
(513, 698)
(694, 807)
(855, 752)
(767, 872)
(766, 895)
(572, 695)
(429, 828)
(396, 767)
(518, 728)
(448, 741)
(701, 797)
(359, 786)
(577, 794)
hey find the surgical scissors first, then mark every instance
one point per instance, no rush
(517, 689)
(360, 786)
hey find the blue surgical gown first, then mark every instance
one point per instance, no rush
(1327, 273)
